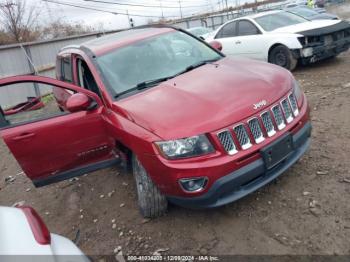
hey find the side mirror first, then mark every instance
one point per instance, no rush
(78, 102)
(216, 44)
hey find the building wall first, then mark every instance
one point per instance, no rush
(15, 60)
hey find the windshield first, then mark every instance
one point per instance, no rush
(158, 57)
(281, 19)
(303, 11)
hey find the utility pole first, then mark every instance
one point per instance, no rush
(180, 9)
(130, 20)
(161, 8)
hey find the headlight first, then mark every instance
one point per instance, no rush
(185, 147)
(307, 52)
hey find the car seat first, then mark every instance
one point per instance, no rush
(3, 121)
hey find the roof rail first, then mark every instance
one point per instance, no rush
(69, 46)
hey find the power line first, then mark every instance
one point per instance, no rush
(82, 7)
(142, 5)
(101, 10)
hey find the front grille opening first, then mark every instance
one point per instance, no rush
(277, 114)
(293, 104)
(268, 125)
(227, 142)
(287, 111)
(242, 136)
(256, 131)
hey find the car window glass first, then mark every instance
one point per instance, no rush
(228, 30)
(273, 21)
(28, 102)
(153, 58)
(66, 68)
(247, 28)
(85, 77)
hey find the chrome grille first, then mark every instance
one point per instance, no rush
(242, 136)
(267, 122)
(287, 110)
(293, 104)
(283, 113)
(255, 129)
(227, 142)
(277, 114)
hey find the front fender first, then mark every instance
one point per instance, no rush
(290, 41)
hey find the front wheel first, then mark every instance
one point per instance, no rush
(282, 56)
(151, 201)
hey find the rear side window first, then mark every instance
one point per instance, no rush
(66, 69)
(228, 30)
(247, 28)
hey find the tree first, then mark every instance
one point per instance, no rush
(60, 28)
(19, 20)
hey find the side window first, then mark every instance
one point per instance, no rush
(228, 30)
(66, 69)
(85, 78)
(247, 28)
(29, 102)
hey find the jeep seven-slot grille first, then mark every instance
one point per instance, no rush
(257, 128)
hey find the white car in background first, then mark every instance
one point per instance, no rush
(282, 38)
(25, 237)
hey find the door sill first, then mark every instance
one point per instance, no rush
(79, 171)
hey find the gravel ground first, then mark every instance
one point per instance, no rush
(305, 211)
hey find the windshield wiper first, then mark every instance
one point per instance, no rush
(198, 64)
(144, 85)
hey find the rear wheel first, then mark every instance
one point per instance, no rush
(151, 201)
(282, 56)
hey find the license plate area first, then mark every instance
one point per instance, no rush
(277, 151)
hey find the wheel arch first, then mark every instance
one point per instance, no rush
(291, 43)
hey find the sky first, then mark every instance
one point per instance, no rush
(141, 11)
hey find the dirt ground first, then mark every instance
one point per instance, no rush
(305, 211)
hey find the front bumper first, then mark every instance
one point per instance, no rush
(246, 179)
(326, 51)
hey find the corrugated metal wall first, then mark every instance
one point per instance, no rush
(15, 60)
(215, 21)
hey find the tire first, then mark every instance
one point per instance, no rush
(282, 56)
(152, 203)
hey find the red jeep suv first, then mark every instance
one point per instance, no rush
(197, 128)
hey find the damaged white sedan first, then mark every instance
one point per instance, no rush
(283, 38)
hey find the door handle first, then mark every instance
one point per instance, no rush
(23, 136)
(238, 42)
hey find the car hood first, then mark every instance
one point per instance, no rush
(310, 25)
(207, 98)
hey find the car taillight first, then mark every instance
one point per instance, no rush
(37, 225)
